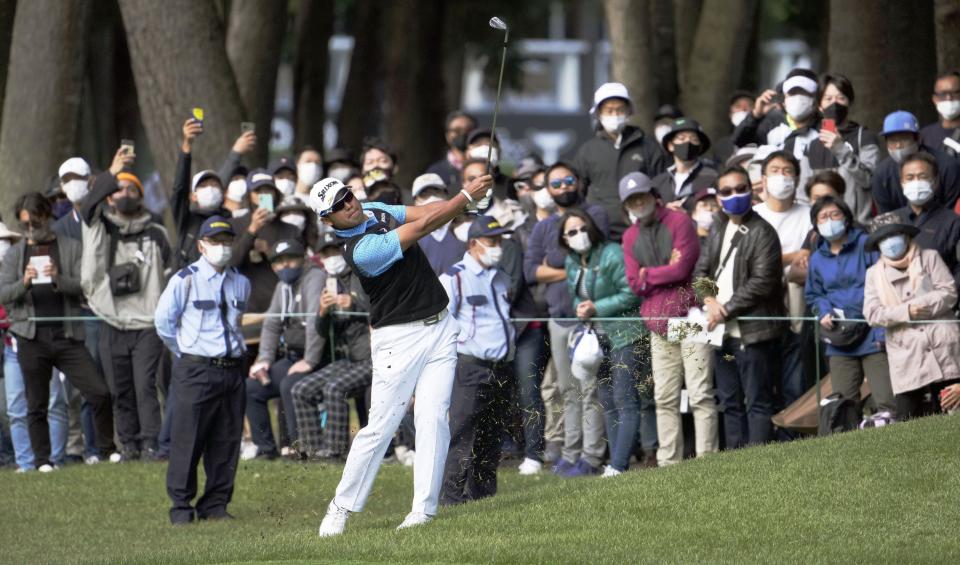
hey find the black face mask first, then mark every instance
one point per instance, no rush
(459, 143)
(836, 112)
(686, 151)
(390, 197)
(127, 205)
(567, 199)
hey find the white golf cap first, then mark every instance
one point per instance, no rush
(428, 180)
(74, 165)
(325, 194)
(802, 82)
(610, 90)
(202, 176)
(762, 153)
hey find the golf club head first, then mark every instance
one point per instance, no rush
(497, 23)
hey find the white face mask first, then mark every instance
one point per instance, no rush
(949, 109)
(737, 117)
(240, 212)
(461, 231)
(660, 132)
(580, 243)
(480, 152)
(4, 246)
(641, 214)
(209, 197)
(613, 124)
(285, 186)
(309, 173)
(798, 106)
(334, 265)
(76, 190)
(781, 187)
(490, 257)
(918, 192)
(296, 220)
(704, 219)
(429, 200)
(340, 173)
(217, 255)
(236, 190)
(543, 200)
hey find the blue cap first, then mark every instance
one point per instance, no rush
(486, 226)
(900, 121)
(283, 164)
(215, 225)
(259, 178)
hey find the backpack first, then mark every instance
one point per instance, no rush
(838, 414)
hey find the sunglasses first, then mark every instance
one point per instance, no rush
(566, 181)
(339, 205)
(739, 189)
(575, 231)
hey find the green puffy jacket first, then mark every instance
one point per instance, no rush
(606, 284)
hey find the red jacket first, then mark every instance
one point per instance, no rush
(664, 287)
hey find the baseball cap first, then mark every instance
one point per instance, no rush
(634, 183)
(283, 164)
(668, 111)
(708, 192)
(325, 194)
(481, 132)
(286, 248)
(610, 90)
(260, 178)
(900, 121)
(804, 79)
(486, 226)
(327, 239)
(215, 225)
(204, 175)
(74, 165)
(428, 180)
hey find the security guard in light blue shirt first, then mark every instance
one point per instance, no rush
(479, 301)
(198, 318)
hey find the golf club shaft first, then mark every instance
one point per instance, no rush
(496, 106)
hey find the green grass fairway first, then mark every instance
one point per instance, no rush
(882, 496)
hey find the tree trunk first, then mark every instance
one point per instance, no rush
(628, 25)
(715, 64)
(45, 85)
(8, 9)
(310, 68)
(664, 51)
(360, 108)
(415, 103)
(947, 16)
(453, 53)
(889, 55)
(686, 15)
(97, 137)
(254, 39)
(179, 62)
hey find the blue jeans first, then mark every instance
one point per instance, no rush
(17, 412)
(528, 366)
(617, 382)
(745, 375)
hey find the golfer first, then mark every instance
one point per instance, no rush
(413, 342)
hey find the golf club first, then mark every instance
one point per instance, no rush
(497, 23)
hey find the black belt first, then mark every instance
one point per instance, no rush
(484, 362)
(218, 362)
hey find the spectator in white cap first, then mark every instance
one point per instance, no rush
(75, 179)
(617, 149)
(442, 247)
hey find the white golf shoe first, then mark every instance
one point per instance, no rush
(335, 522)
(609, 471)
(530, 467)
(414, 519)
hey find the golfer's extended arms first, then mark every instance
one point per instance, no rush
(422, 220)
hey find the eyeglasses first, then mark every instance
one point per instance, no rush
(831, 215)
(569, 180)
(947, 95)
(575, 231)
(739, 189)
(347, 198)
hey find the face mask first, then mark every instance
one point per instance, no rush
(375, 175)
(898, 155)
(836, 112)
(62, 208)
(387, 197)
(568, 198)
(704, 219)
(76, 190)
(832, 230)
(480, 152)
(127, 205)
(613, 124)
(461, 231)
(580, 243)
(430, 200)
(798, 106)
(4, 246)
(949, 109)
(894, 247)
(285, 186)
(290, 275)
(459, 142)
(340, 173)
(491, 255)
(334, 265)
(660, 132)
(641, 214)
(781, 187)
(736, 204)
(240, 212)
(308, 173)
(209, 198)
(543, 200)
(217, 255)
(737, 117)
(686, 151)
(296, 220)
(918, 192)
(236, 190)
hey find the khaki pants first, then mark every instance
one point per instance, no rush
(582, 414)
(676, 365)
(553, 405)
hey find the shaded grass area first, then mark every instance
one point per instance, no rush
(887, 495)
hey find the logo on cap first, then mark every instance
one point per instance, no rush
(220, 225)
(493, 225)
(631, 183)
(282, 246)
